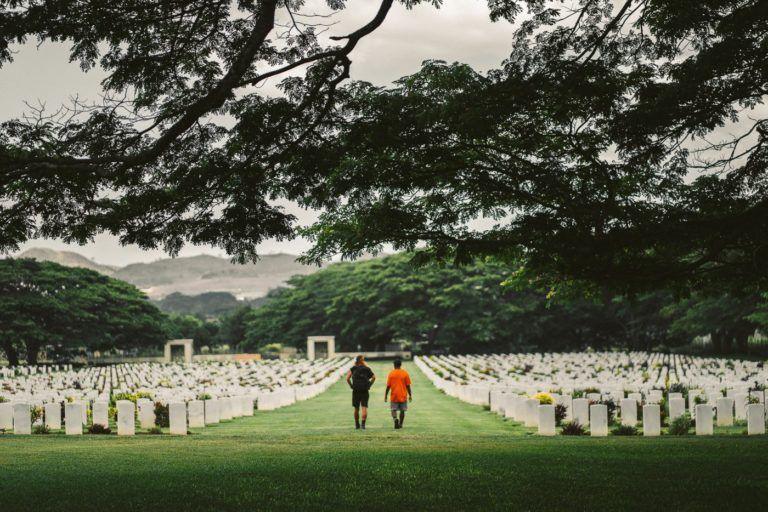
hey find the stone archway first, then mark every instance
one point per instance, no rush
(331, 344)
(188, 345)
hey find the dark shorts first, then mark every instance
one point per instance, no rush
(398, 406)
(359, 398)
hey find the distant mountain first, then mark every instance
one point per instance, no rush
(66, 258)
(191, 275)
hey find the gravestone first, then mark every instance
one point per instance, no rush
(212, 415)
(676, 408)
(546, 420)
(6, 416)
(146, 413)
(126, 418)
(581, 411)
(740, 404)
(724, 412)
(177, 413)
(101, 413)
(52, 413)
(225, 408)
(755, 419)
(704, 416)
(628, 411)
(22, 419)
(196, 414)
(598, 420)
(247, 405)
(652, 420)
(73, 419)
(638, 397)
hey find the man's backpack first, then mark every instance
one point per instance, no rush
(361, 377)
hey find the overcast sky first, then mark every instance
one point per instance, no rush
(459, 31)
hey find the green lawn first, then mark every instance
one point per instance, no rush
(450, 456)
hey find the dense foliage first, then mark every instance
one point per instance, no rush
(620, 143)
(43, 303)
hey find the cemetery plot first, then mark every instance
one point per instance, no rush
(602, 393)
(128, 398)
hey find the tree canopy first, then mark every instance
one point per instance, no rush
(43, 303)
(621, 143)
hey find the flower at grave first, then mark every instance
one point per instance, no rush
(544, 398)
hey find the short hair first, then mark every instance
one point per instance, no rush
(359, 359)
(398, 363)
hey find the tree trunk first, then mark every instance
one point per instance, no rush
(32, 351)
(10, 353)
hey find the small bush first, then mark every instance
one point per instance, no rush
(681, 425)
(560, 411)
(625, 430)
(486, 407)
(3, 399)
(573, 428)
(41, 429)
(544, 398)
(162, 418)
(204, 396)
(155, 431)
(98, 428)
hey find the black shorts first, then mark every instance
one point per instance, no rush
(359, 398)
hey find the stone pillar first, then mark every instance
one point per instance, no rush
(724, 412)
(101, 413)
(652, 420)
(177, 413)
(546, 420)
(6, 416)
(73, 419)
(146, 413)
(22, 419)
(755, 419)
(196, 414)
(531, 412)
(53, 416)
(581, 411)
(676, 408)
(126, 418)
(628, 411)
(704, 415)
(212, 412)
(598, 420)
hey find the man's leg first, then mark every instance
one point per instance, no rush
(394, 417)
(357, 417)
(402, 418)
(365, 416)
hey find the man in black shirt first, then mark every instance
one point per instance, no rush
(360, 378)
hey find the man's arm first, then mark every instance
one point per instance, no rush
(410, 395)
(372, 379)
(349, 378)
(386, 393)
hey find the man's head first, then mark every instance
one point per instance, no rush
(398, 363)
(360, 360)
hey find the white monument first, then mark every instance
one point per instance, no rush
(126, 418)
(329, 340)
(188, 345)
(22, 419)
(177, 414)
(652, 420)
(628, 411)
(73, 419)
(53, 416)
(546, 420)
(101, 413)
(598, 420)
(196, 414)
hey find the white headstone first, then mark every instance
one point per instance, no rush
(212, 411)
(755, 419)
(546, 420)
(101, 413)
(126, 418)
(724, 412)
(52, 413)
(146, 413)
(73, 418)
(22, 419)
(531, 412)
(652, 420)
(6, 416)
(740, 404)
(628, 411)
(196, 410)
(581, 411)
(704, 416)
(225, 408)
(598, 420)
(676, 407)
(247, 405)
(177, 413)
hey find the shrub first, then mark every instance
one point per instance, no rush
(204, 396)
(560, 411)
(41, 429)
(3, 399)
(486, 407)
(544, 398)
(155, 431)
(625, 430)
(611, 406)
(98, 428)
(162, 418)
(752, 400)
(573, 428)
(681, 425)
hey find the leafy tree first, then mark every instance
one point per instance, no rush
(207, 305)
(232, 327)
(43, 303)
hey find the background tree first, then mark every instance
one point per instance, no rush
(43, 303)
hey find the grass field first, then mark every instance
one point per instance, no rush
(450, 456)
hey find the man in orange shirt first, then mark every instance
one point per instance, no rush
(399, 382)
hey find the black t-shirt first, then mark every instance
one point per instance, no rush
(361, 378)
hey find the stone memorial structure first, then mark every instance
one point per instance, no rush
(546, 420)
(651, 420)
(177, 413)
(126, 418)
(598, 420)
(22, 419)
(704, 417)
(73, 419)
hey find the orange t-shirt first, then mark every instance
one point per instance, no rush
(397, 380)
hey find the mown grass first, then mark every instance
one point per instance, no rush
(450, 456)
